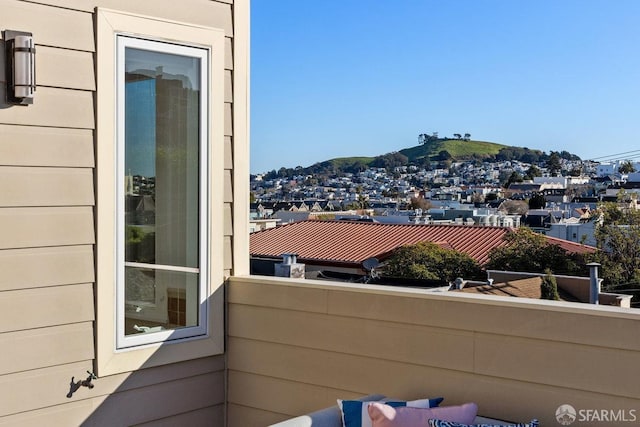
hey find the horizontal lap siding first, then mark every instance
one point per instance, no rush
(47, 235)
(41, 267)
(303, 344)
(46, 146)
(124, 399)
(50, 226)
(43, 186)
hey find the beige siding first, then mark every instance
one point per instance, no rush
(45, 146)
(47, 233)
(39, 308)
(53, 66)
(39, 186)
(40, 267)
(51, 26)
(118, 400)
(228, 153)
(305, 343)
(33, 227)
(56, 108)
(211, 416)
(247, 416)
(217, 14)
(48, 346)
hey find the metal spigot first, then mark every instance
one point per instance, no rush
(87, 382)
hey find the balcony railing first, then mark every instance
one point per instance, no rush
(295, 346)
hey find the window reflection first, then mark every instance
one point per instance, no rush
(161, 194)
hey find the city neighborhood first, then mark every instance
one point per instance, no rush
(147, 278)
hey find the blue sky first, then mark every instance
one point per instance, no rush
(364, 77)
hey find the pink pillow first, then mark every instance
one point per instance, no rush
(387, 416)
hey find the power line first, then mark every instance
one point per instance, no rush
(620, 156)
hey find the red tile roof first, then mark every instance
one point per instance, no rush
(352, 242)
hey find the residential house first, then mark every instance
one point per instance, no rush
(178, 353)
(121, 185)
(343, 246)
(528, 285)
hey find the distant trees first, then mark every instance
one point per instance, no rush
(419, 203)
(554, 164)
(425, 138)
(549, 286)
(626, 167)
(444, 155)
(390, 160)
(533, 172)
(575, 171)
(537, 201)
(466, 137)
(514, 207)
(522, 154)
(428, 261)
(531, 252)
(619, 239)
(514, 177)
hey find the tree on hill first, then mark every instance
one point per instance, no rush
(522, 154)
(514, 177)
(425, 138)
(533, 172)
(467, 136)
(530, 252)
(457, 136)
(564, 154)
(553, 163)
(390, 161)
(428, 261)
(444, 155)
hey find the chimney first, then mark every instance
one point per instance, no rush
(594, 286)
(289, 267)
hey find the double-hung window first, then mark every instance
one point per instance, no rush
(159, 185)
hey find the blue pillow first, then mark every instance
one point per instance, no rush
(440, 423)
(354, 412)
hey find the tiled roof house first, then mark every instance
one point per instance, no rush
(351, 242)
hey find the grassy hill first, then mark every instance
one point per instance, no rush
(458, 148)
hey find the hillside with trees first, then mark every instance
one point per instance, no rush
(431, 151)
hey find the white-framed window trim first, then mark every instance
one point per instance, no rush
(118, 351)
(124, 340)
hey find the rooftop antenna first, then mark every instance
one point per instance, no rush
(370, 265)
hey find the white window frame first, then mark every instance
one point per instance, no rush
(115, 352)
(124, 41)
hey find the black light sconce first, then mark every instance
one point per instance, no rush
(20, 59)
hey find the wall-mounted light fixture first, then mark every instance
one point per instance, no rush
(20, 59)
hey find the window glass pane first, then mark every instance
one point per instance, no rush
(161, 158)
(157, 300)
(161, 171)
